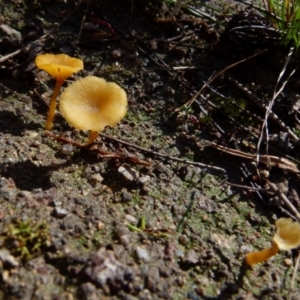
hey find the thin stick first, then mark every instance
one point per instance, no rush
(258, 103)
(295, 272)
(286, 201)
(190, 102)
(193, 163)
(275, 161)
(82, 22)
(269, 108)
(102, 153)
(246, 187)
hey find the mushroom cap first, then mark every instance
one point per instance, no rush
(288, 234)
(60, 66)
(92, 103)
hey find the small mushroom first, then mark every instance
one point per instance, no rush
(60, 66)
(92, 103)
(287, 237)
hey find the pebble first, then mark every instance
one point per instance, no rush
(7, 194)
(144, 179)
(193, 296)
(95, 179)
(10, 36)
(116, 53)
(288, 262)
(190, 257)
(128, 173)
(183, 239)
(88, 291)
(129, 219)
(60, 212)
(5, 275)
(25, 194)
(66, 150)
(7, 259)
(125, 240)
(142, 254)
(36, 144)
(126, 196)
(100, 225)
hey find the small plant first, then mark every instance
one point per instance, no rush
(285, 16)
(25, 239)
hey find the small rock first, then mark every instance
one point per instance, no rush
(100, 225)
(288, 262)
(142, 254)
(126, 196)
(181, 280)
(190, 257)
(66, 150)
(25, 194)
(207, 204)
(178, 52)
(95, 179)
(128, 173)
(170, 250)
(116, 54)
(183, 239)
(164, 271)
(144, 179)
(129, 219)
(125, 240)
(9, 36)
(59, 212)
(88, 291)
(5, 275)
(123, 235)
(56, 202)
(36, 144)
(7, 259)
(106, 271)
(193, 296)
(7, 194)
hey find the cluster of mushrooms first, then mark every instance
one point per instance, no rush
(90, 103)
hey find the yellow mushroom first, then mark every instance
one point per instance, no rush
(92, 103)
(287, 237)
(59, 66)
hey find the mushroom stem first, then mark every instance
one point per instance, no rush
(49, 122)
(93, 135)
(260, 256)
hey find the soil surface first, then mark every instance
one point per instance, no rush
(148, 211)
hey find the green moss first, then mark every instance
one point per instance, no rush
(25, 239)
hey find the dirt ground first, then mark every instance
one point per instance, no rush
(148, 211)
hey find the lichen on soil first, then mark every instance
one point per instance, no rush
(72, 225)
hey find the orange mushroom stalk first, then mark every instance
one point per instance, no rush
(59, 66)
(92, 103)
(287, 237)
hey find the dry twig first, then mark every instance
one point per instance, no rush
(101, 153)
(285, 200)
(295, 272)
(166, 156)
(262, 107)
(274, 161)
(269, 108)
(213, 77)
